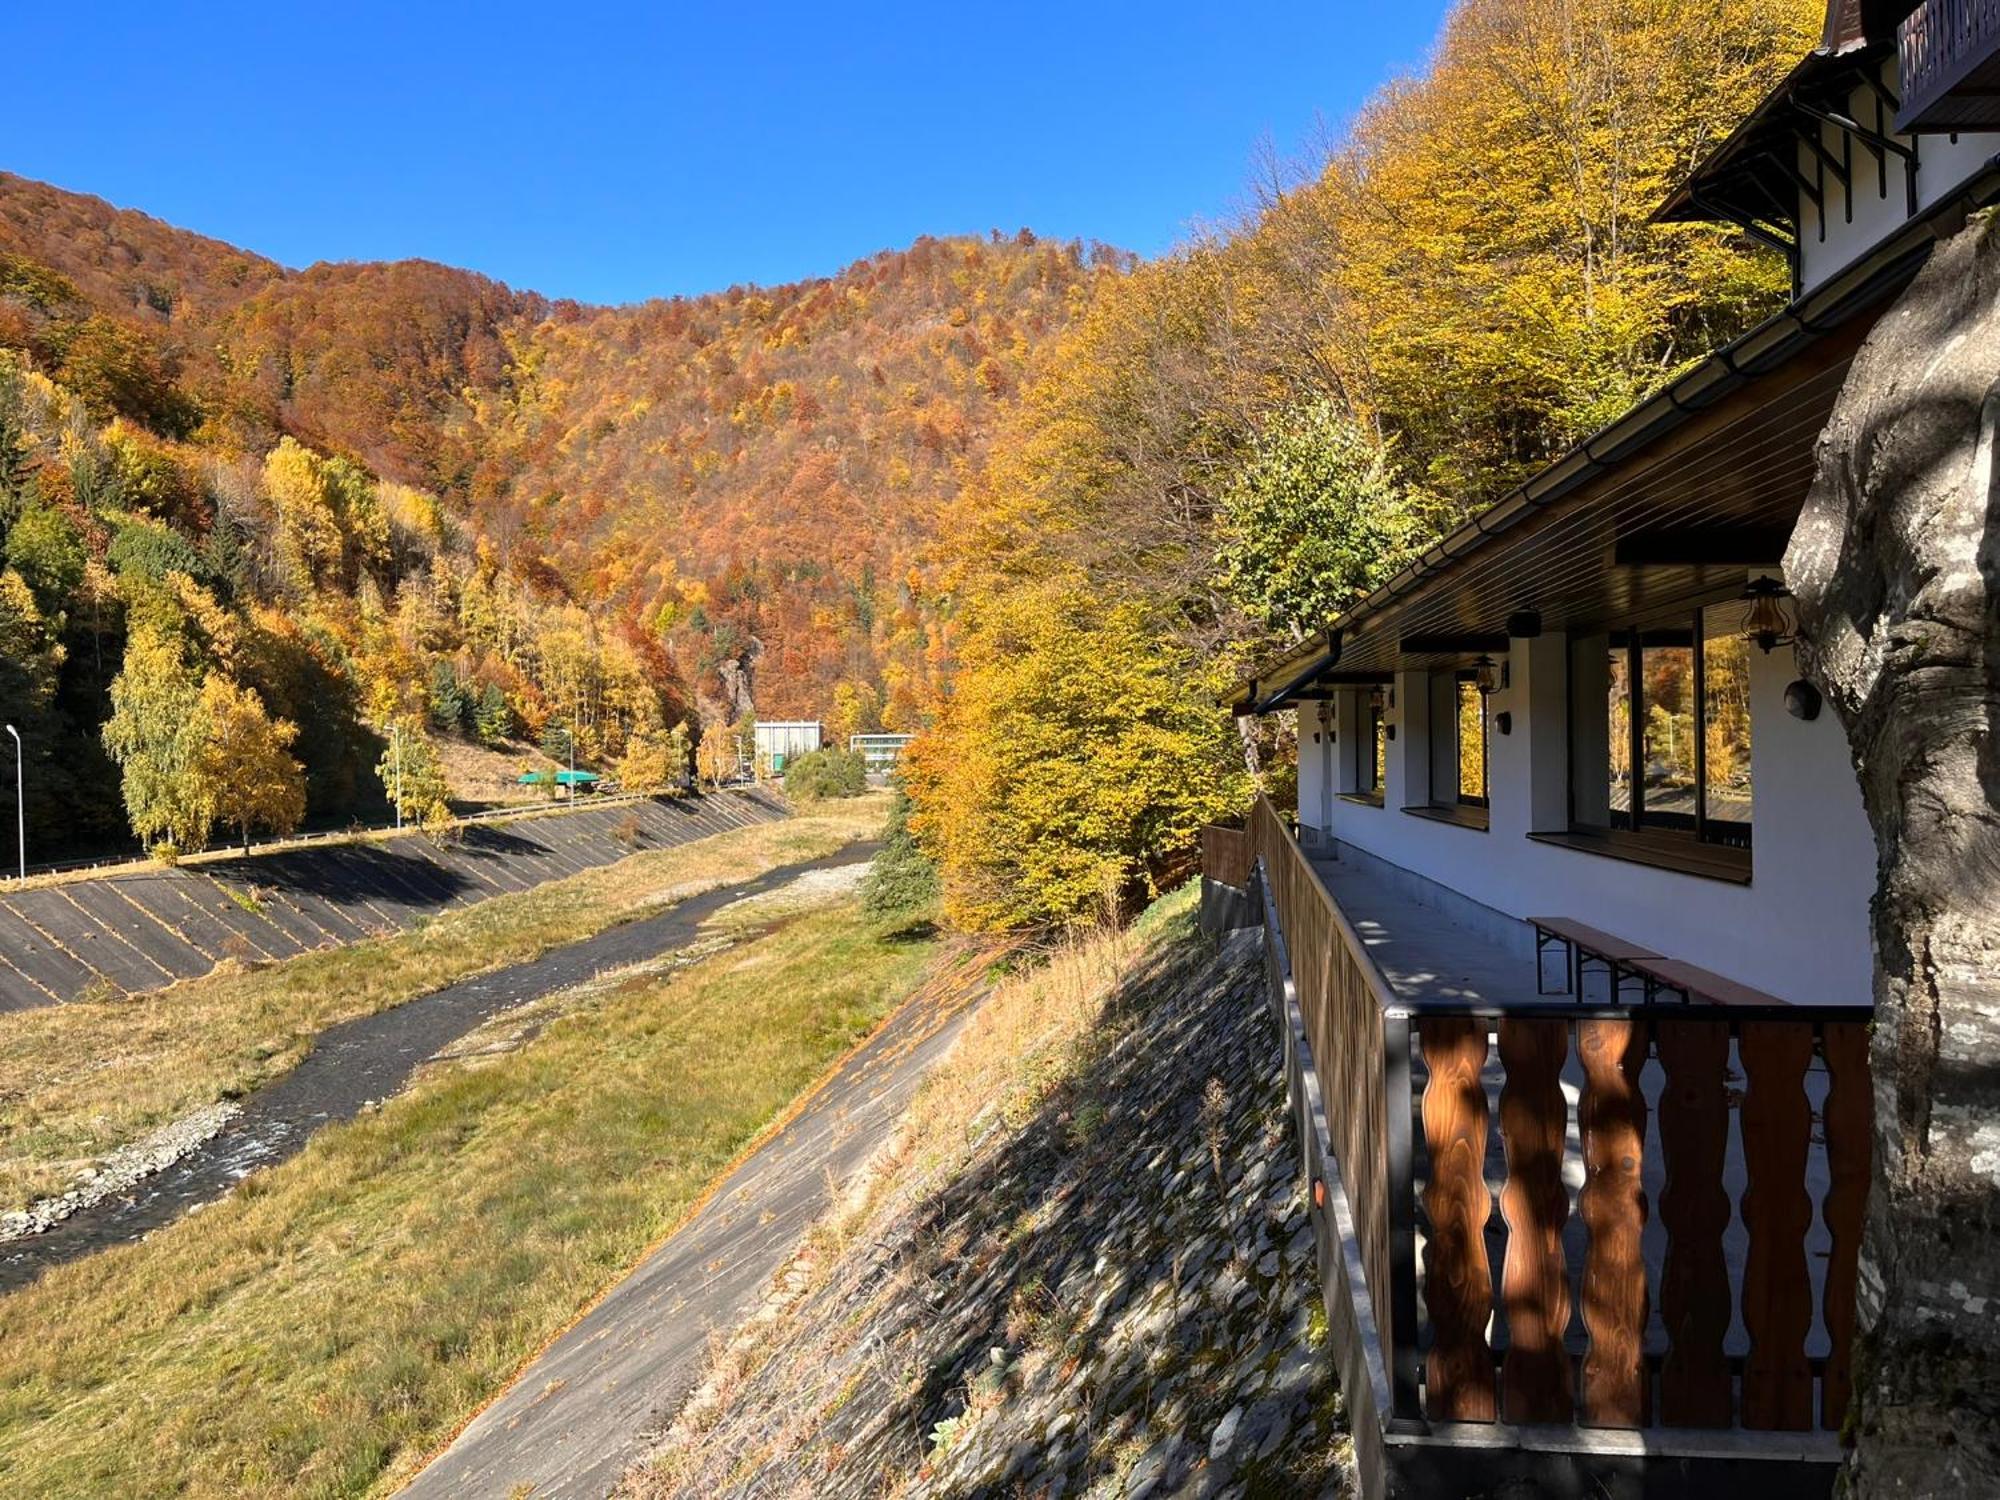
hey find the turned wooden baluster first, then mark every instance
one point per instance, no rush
(1695, 1386)
(1777, 1291)
(1458, 1284)
(1535, 1375)
(1613, 1207)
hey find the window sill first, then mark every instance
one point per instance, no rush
(1460, 816)
(1360, 799)
(1659, 851)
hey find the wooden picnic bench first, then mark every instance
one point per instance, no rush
(1654, 971)
(1585, 943)
(1698, 984)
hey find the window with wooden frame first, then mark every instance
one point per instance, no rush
(1660, 739)
(1469, 723)
(1456, 746)
(1371, 749)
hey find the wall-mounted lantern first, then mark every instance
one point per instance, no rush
(1769, 621)
(1504, 722)
(1802, 700)
(1485, 675)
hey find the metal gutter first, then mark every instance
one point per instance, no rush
(1320, 666)
(1882, 270)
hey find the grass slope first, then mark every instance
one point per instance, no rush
(76, 1081)
(336, 1317)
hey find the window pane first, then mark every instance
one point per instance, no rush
(1725, 662)
(1471, 742)
(1666, 684)
(1618, 730)
(1374, 746)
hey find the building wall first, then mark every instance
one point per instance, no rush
(790, 738)
(1798, 930)
(1879, 199)
(1315, 766)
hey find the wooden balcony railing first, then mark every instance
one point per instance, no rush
(1225, 855)
(1752, 1129)
(1345, 1003)
(1948, 55)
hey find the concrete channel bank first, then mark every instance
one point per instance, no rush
(143, 928)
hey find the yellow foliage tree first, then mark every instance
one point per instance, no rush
(1074, 766)
(1463, 287)
(655, 760)
(717, 755)
(246, 763)
(857, 709)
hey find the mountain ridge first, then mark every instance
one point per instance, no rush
(744, 469)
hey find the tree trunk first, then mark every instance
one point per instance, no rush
(1896, 564)
(1246, 739)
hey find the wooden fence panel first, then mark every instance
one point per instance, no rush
(1613, 1206)
(1535, 1380)
(1458, 1283)
(1849, 1117)
(1777, 1291)
(1696, 1389)
(1226, 855)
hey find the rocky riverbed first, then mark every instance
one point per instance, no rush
(1115, 1296)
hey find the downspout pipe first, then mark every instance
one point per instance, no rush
(1319, 667)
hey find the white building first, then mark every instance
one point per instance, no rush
(1598, 1234)
(778, 742)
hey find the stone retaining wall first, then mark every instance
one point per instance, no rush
(1117, 1296)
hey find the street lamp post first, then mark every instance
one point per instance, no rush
(20, 803)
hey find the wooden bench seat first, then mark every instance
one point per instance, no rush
(1623, 958)
(1700, 985)
(1585, 942)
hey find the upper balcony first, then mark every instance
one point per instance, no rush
(1948, 55)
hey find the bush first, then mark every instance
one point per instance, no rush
(824, 774)
(902, 882)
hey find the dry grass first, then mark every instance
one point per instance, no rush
(1040, 1030)
(339, 1315)
(77, 1081)
(492, 774)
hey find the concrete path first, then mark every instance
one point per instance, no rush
(576, 1418)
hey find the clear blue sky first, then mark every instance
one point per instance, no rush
(611, 152)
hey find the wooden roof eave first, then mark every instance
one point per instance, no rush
(1742, 154)
(1770, 346)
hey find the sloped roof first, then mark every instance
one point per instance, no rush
(1727, 450)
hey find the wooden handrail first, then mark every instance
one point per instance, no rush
(1341, 999)
(1801, 1164)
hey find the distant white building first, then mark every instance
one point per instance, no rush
(781, 741)
(882, 752)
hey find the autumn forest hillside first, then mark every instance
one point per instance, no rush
(385, 503)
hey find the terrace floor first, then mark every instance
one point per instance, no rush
(1425, 954)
